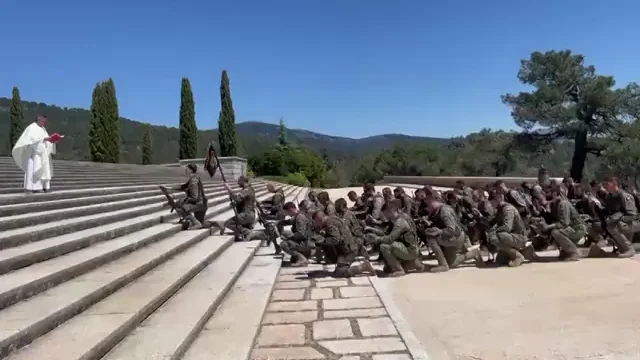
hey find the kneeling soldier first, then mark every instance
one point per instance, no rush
(509, 235)
(195, 202)
(399, 249)
(339, 239)
(568, 228)
(298, 245)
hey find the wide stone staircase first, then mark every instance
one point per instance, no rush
(99, 268)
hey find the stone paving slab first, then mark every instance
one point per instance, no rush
(335, 319)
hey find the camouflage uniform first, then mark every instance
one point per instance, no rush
(445, 238)
(299, 244)
(622, 221)
(329, 208)
(407, 204)
(276, 210)
(375, 219)
(399, 248)
(195, 202)
(245, 204)
(337, 238)
(353, 224)
(509, 235)
(568, 228)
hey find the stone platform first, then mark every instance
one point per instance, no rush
(550, 310)
(314, 316)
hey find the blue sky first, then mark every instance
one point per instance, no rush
(343, 67)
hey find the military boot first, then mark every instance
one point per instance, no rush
(364, 266)
(301, 260)
(529, 253)
(418, 265)
(442, 261)
(220, 226)
(474, 254)
(194, 224)
(367, 267)
(515, 257)
(626, 250)
(596, 251)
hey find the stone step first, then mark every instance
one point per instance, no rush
(42, 217)
(89, 178)
(12, 199)
(231, 331)
(20, 236)
(127, 236)
(169, 332)
(172, 328)
(76, 174)
(95, 310)
(18, 209)
(88, 185)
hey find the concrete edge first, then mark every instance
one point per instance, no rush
(414, 346)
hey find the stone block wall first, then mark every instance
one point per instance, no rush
(232, 166)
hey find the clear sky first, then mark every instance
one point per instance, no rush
(343, 67)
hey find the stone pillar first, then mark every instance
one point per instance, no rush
(232, 166)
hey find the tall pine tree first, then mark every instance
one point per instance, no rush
(111, 126)
(188, 128)
(96, 144)
(147, 146)
(227, 119)
(17, 118)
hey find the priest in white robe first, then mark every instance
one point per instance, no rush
(32, 153)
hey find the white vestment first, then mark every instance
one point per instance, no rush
(33, 155)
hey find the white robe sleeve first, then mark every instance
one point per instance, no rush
(31, 140)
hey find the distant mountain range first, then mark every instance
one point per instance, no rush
(254, 137)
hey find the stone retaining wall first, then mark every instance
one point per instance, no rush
(450, 181)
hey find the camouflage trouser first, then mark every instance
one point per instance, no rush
(241, 225)
(278, 216)
(291, 247)
(198, 211)
(595, 232)
(343, 262)
(396, 254)
(567, 238)
(623, 232)
(505, 241)
(448, 246)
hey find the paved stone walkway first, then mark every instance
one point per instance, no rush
(313, 316)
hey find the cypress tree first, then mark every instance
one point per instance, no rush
(96, 145)
(111, 125)
(147, 146)
(227, 119)
(17, 118)
(188, 128)
(282, 136)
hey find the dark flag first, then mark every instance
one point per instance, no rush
(211, 163)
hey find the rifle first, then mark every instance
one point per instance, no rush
(211, 169)
(270, 229)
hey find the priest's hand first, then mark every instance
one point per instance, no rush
(226, 186)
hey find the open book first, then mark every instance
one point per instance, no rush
(56, 137)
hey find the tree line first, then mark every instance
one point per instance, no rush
(104, 138)
(574, 122)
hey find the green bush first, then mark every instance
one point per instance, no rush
(297, 179)
(289, 162)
